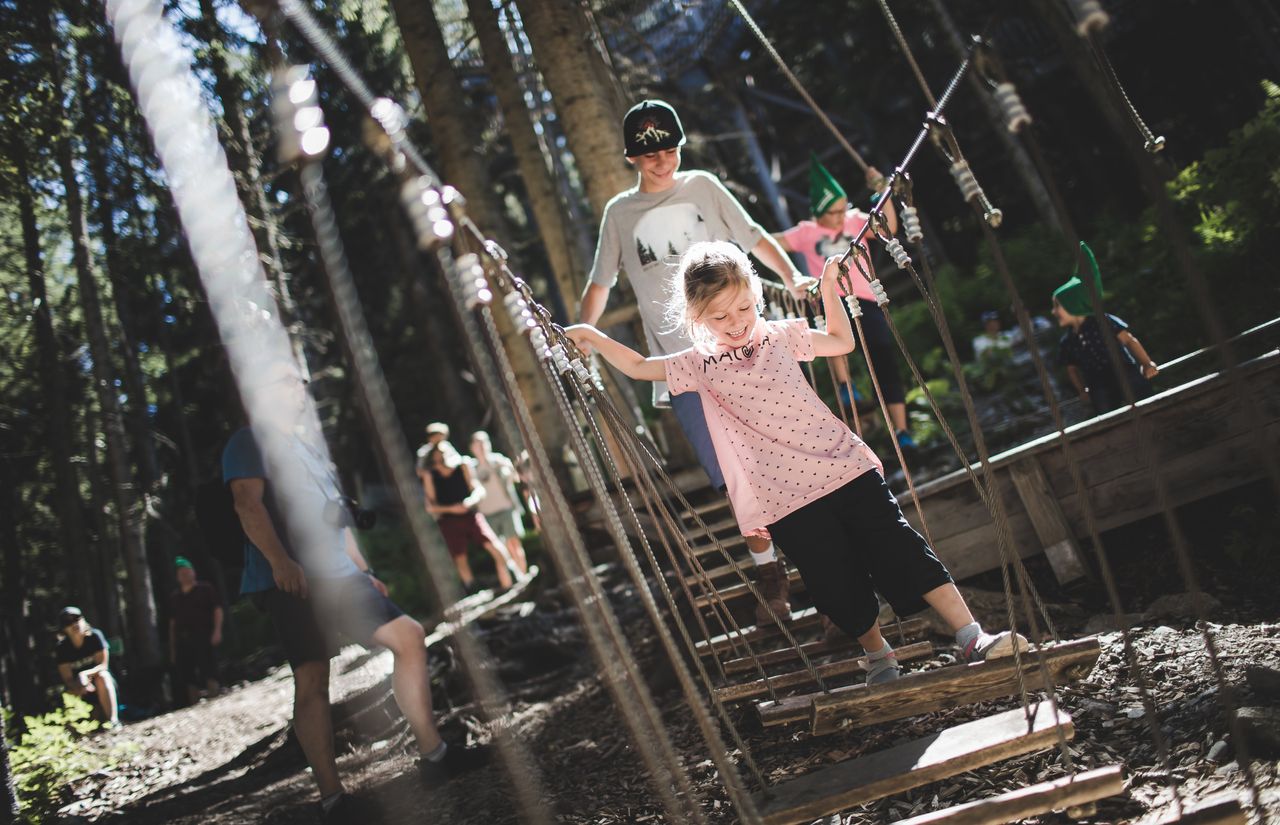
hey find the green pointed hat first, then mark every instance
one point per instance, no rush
(823, 189)
(1073, 296)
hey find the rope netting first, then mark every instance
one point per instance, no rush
(621, 468)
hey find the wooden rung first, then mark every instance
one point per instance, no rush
(693, 531)
(912, 764)
(910, 629)
(720, 503)
(1223, 809)
(738, 591)
(791, 709)
(757, 687)
(1018, 805)
(733, 544)
(721, 572)
(918, 693)
(801, 619)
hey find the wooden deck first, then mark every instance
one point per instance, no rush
(1200, 437)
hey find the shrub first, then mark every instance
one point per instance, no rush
(51, 753)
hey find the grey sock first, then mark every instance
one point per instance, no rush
(882, 665)
(437, 754)
(327, 802)
(966, 635)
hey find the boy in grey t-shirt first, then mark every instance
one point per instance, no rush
(644, 232)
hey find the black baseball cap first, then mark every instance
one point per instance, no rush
(69, 615)
(651, 126)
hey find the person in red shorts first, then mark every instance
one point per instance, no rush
(451, 495)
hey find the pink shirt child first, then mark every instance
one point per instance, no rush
(778, 445)
(817, 243)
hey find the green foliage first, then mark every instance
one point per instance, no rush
(52, 752)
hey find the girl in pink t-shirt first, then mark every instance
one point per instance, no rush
(793, 469)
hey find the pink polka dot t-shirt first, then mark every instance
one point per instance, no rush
(778, 445)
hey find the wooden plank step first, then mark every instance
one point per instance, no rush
(800, 620)
(724, 570)
(714, 506)
(1015, 806)
(910, 629)
(758, 687)
(791, 709)
(694, 532)
(947, 687)
(913, 764)
(738, 591)
(736, 545)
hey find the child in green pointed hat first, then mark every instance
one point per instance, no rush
(832, 229)
(1083, 350)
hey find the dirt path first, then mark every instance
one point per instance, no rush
(230, 760)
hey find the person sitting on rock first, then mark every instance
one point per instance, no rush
(84, 666)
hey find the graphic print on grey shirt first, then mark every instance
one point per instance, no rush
(645, 233)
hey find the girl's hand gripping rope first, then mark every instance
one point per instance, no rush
(633, 364)
(838, 337)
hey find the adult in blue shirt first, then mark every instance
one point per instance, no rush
(308, 574)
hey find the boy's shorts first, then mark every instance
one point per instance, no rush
(351, 605)
(688, 410)
(506, 523)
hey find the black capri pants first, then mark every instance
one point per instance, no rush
(884, 352)
(855, 542)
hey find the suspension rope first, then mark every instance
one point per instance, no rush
(960, 170)
(1183, 556)
(634, 701)
(1150, 141)
(439, 217)
(222, 247)
(586, 399)
(656, 464)
(796, 84)
(949, 148)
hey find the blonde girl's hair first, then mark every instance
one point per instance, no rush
(706, 270)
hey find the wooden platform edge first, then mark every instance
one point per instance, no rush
(912, 764)
(1015, 806)
(918, 693)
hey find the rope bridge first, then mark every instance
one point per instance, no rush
(659, 534)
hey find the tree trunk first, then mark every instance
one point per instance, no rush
(547, 210)
(129, 512)
(53, 385)
(8, 793)
(454, 137)
(592, 124)
(22, 680)
(582, 226)
(136, 415)
(101, 558)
